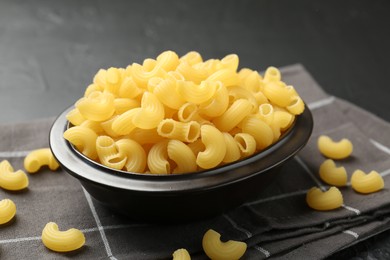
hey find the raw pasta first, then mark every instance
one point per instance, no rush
(157, 116)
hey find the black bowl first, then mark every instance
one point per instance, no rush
(179, 197)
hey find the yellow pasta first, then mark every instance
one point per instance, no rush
(134, 153)
(216, 249)
(257, 128)
(108, 153)
(196, 93)
(246, 143)
(75, 117)
(84, 139)
(367, 183)
(39, 158)
(7, 211)
(233, 115)
(158, 158)
(182, 155)
(215, 147)
(97, 106)
(232, 149)
(334, 150)
(329, 173)
(10, 179)
(182, 131)
(171, 103)
(181, 254)
(150, 114)
(218, 104)
(324, 200)
(62, 241)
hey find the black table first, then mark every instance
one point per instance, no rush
(50, 50)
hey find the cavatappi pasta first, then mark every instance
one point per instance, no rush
(182, 114)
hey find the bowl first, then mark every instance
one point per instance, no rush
(179, 197)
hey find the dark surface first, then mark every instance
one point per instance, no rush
(50, 50)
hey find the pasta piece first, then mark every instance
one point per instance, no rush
(246, 143)
(123, 124)
(232, 149)
(167, 94)
(192, 58)
(108, 153)
(146, 136)
(97, 106)
(277, 94)
(367, 183)
(227, 76)
(150, 114)
(129, 89)
(334, 150)
(122, 105)
(266, 112)
(233, 115)
(182, 155)
(168, 60)
(236, 93)
(196, 146)
(7, 211)
(94, 126)
(62, 241)
(113, 80)
(194, 93)
(328, 200)
(91, 88)
(218, 104)
(153, 83)
(283, 119)
(83, 139)
(190, 73)
(329, 173)
(252, 82)
(230, 62)
(39, 158)
(215, 147)
(182, 131)
(107, 127)
(134, 153)
(181, 254)
(141, 74)
(100, 80)
(272, 74)
(216, 249)
(296, 106)
(10, 179)
(75, 117)
(262, 132)
(158, 158)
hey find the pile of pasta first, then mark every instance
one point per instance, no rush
(180, 114)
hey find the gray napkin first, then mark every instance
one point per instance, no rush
(278, 223)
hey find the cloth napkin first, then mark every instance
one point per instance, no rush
(277, 224)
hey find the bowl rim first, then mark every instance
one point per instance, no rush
(83, 168)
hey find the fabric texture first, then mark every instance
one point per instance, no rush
(277, 224)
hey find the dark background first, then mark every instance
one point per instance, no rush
(50, 50)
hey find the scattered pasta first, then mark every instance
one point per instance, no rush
(324, 200)
(7, 211)
(329, 173)
(62, 241)
(38, 158)
(367, 183)
(176, 103)
(216, 249)
(10, 179)
(334, 150)
(181, 254)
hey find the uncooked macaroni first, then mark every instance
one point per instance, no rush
(324, 200)
(334, 150)
(333, 175)
(39, 158)
(7, 210)
(216, 249)
(62, 241)
(205, 105)
(181, 254)
(10, 179)
(367, 183)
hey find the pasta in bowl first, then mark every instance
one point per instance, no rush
(179, 138)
